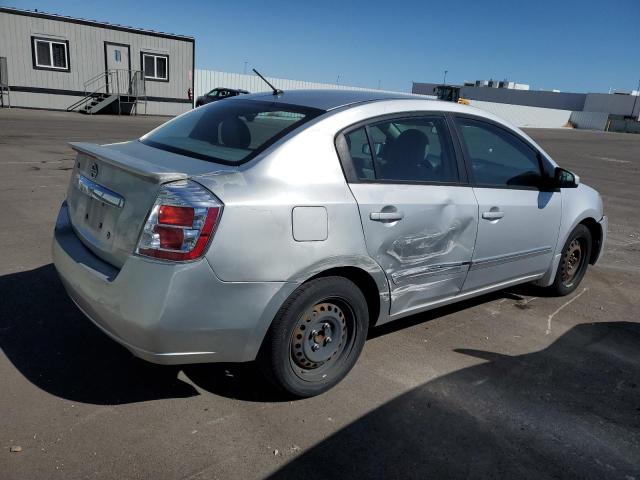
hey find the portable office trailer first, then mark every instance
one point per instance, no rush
(64, 63)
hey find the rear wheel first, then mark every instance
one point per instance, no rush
(316, 337)
(573, 261)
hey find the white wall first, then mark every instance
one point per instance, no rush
(524, 116)
(207, 80)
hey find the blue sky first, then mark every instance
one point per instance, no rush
(582, 46)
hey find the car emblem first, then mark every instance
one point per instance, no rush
(93, 171)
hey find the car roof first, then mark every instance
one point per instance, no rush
(335, 99)
(330, 99)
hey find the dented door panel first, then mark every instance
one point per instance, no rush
(424, 243)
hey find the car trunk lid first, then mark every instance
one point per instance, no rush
(112, 189)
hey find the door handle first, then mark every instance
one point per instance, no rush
(493, 215)
(386, 216)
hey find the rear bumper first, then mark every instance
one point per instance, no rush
(168, 313)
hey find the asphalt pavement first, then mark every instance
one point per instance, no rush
(510, 385)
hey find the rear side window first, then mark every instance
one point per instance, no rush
(229, 132)
(415, 149)
(499, 158)
(360, 152)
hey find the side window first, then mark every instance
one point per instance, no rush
(498, 157)
(360, 152)
(415, 149)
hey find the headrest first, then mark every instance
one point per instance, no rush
(235, 133)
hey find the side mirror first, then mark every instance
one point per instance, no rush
(565, 179)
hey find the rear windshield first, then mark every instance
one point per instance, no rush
(229, 131)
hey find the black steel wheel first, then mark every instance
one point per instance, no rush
(574, 261)
(316, 336)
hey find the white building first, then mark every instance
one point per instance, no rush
(63, 63)
(497, 84)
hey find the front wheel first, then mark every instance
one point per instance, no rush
(316, 337)
(573, 262)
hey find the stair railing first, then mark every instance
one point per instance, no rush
(5, 90)
(96, 78)
(91, 90)
(120, 82)
(131, 90)
(138, 89)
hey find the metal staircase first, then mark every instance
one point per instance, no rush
(113, 91)
(97, 103)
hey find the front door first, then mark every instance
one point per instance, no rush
(118, 64)
(419, 218)
(518, 220)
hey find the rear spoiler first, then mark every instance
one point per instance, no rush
(133, 165)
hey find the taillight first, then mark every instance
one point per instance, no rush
(181, 223)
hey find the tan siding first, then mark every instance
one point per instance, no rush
(86, 53)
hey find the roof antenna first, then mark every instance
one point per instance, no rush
(276, 91)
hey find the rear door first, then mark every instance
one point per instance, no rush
(519, 219)
(418, 214)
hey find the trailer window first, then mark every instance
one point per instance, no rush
(156, 67)
(50, 54)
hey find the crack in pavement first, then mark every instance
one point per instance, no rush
(557, 310)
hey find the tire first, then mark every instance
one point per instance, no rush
(316, 337)
(571, 269)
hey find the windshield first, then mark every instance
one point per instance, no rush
(229, 132)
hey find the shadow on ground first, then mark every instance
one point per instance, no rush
(59, 350)
(571, 410)
(55, 347)
(516, 293)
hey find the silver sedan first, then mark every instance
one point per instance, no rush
(281, 228)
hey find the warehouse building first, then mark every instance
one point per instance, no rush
(498, 84)
(63, 63)
(550, 109)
